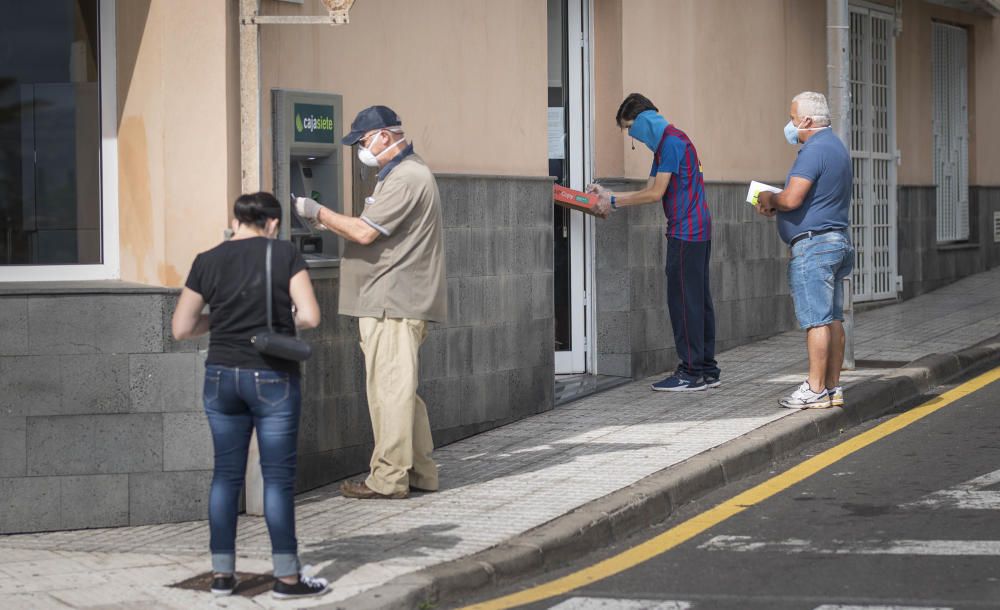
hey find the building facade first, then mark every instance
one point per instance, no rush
(120, 156)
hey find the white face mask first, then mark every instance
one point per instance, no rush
(370, 159)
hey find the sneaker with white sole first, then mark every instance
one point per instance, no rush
(679, 383)
(307, 586)
(712, 381)
(836, 396)
(805, 398)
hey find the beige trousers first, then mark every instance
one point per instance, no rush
(403, 442)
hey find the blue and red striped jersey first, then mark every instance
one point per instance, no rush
(684, 202)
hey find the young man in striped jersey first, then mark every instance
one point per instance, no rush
(677, 182)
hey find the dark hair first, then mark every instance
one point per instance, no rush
(633, 105)
(256, 209)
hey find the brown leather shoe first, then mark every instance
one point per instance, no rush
(361, 491)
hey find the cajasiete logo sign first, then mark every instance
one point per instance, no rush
(314, 123)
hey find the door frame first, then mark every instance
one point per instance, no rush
(579, 359)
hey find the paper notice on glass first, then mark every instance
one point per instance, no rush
(557, 134)
(756, 188)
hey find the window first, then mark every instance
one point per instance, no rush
(951, 131)
(51, 134)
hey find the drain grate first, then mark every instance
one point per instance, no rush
(250, 585)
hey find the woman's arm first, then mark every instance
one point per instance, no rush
(188, 321)
(306, 308)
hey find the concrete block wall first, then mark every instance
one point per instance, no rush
(493, 362)
(924, 263)
(100, 414)
(748, 273)
(490, 364)
(101, 421)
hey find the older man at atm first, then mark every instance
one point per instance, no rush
(393, 280)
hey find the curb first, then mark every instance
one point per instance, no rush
(654, 498)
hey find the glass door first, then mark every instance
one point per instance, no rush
(568, 136)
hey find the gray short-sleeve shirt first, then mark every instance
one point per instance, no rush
(402, 273)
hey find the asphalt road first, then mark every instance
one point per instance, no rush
(910, 521)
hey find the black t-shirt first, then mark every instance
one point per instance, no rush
(230, 277)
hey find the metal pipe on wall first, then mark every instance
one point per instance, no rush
(838, 69)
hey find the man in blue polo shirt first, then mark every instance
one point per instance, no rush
(813, 219)
(677, 182)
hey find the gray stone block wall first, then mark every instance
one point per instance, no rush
(924, 263)
(748, 281)
(101, 422)
(490, 364)
(94, 395)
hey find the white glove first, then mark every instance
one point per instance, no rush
(307, 208)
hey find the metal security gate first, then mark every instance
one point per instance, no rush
(951, 131)
(873, 152)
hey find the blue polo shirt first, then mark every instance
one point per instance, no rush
(824, 161)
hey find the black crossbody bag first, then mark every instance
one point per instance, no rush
(275, 344)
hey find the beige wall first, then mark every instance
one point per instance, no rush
(175, 140)
(468, 77)
(984, 122)
(915, 90)
(609, 155)
(724, 71)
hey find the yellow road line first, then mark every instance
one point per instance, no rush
(712, 517)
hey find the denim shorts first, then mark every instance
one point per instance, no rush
(815, 275)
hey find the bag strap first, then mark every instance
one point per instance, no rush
(270, 327)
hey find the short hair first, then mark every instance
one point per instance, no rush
(256, 209)
(633, 106)
(813, 105)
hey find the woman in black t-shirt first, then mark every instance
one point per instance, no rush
(245, 389)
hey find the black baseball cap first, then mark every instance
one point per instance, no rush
(372, 117)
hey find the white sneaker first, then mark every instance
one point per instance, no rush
(836, 396)
(805, 398)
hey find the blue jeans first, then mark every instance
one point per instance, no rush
(815, 275)
(237, 401)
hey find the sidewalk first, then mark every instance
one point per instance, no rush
(495, 486)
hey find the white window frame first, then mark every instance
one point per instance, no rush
(110, 267)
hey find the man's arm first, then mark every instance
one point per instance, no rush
(787, 200)
(656, 186)
(348, 227)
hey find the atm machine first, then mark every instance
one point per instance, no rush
(307, 128)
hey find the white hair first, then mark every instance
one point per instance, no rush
(813, 105)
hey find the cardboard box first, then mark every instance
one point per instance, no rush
(574, 200)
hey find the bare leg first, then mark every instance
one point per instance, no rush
(836, 361)
(818, 345)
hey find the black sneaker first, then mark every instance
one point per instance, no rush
(306, 587)
(712, 381)
(223, 586)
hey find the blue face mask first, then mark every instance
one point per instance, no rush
(648, 128)
(792, 133)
